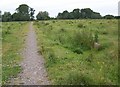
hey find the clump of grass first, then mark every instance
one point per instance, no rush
(75, 78)
(53, 21)
(80, 25)
(50, 27)
(51, 57)
(78, 50)
(62, 30)
(46, 24)
(83, 39)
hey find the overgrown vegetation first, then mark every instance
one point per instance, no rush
(68, 47)
(13, 34)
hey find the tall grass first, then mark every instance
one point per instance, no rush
(12, 43)
(68, 48)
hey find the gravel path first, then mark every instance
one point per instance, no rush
(34, 72)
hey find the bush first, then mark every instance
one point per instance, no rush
(78, 50)
(83, 39)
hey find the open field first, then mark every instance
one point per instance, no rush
(13, 35)
(71, 58)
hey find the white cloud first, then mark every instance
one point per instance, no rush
(55, 6)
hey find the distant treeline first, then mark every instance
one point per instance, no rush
(26, 13)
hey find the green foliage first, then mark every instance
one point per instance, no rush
(83, 39)
(43, 15)
(109, 17)
(6, 17)
(78, 14)
(24, 13)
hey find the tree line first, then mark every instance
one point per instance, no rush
(26, 13)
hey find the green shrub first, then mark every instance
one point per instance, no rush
(83, 39)
(78, 50)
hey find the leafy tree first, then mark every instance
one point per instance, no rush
(32, 11)
(65, 14)
(43, 15)
(24, 13)
(117, 17)
(16, 17)
(59, 16)
(86, 13)
(108, 16)
(76, 13)
(96, 15)
(71, 16)
(6, 17)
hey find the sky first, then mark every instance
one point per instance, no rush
(55, 6)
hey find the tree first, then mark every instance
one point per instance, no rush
(6, 17)
(71, 15)
(24, 13)
(16, 17)
(43, 15)
(65, 14)
(59, 16)
(86, 13)
(108, 17)
(117, 17)
(32, 11)
(76, 13)
(96, 15)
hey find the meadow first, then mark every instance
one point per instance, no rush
(68, 49)
(71, 58)
(13, 36)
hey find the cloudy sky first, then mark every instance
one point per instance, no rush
(55, 6)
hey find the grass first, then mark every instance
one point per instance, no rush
(13, 35)
(67, 46)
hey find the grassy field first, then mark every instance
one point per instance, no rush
(13, 35)
(71, 58)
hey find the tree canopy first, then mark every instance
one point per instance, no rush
(79, 14)
(108, 16)
(23, 13)
(43, 15)
(6, 17)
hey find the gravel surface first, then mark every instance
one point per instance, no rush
(34, 72)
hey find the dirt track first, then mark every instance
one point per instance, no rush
(34, 72)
